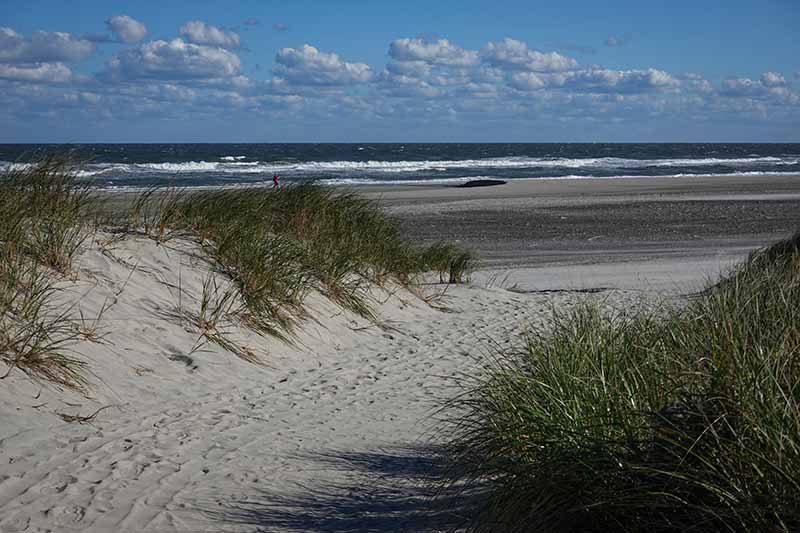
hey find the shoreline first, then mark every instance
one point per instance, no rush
(602, 185)
(515, 183)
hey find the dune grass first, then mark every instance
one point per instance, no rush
(653, 419)
(43, 222)
(275, 247)
(279, 245)
(453, 263)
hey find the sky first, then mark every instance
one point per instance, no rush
(404, 71)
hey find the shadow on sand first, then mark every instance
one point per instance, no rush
(388, 490)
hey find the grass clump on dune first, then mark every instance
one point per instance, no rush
(278, 245)
(43, 213)
(658, 420)
(450, 261)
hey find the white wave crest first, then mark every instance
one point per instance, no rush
(8, 166)
(362, 182)
(233, 165)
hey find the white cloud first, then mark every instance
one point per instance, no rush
(309, 66)
(173, 60)
(770, 89)
(784, 95)
(198, 32)
(440, 52)
(416, 69)
(126, 29)
(696, 83)
(742, 87)
(614, 81)
(38, 73)
(596, 80)
(527, 81)
(406, 82)
(515, 55)
(773, 79)
(42, 47)
(404, 87)
(427, 80)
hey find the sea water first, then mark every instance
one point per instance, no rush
(122, 166)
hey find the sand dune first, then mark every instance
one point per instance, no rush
(330, 433)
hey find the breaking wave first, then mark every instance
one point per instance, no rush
(234, 165)
(122, 166)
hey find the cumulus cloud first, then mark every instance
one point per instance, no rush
(126, 29)
(595, 80)
(742, 87)
(614, 81)
(310, 66)
(516, 55)
(397, 84)
(42, 47)
(773, 79)
(527, 81)
(173, 60)
(198, 32)
(695, 83)
(439, 52)
(38, 73)
(427, 78)
(415, 69)
(771, 88)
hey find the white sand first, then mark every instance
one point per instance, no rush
(326, 436)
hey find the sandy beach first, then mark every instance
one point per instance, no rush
(337, 432)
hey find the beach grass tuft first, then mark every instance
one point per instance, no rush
(453, 263)
(278, 245)
(43, 222)
(657, 419)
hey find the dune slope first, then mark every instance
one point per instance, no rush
(177, 432)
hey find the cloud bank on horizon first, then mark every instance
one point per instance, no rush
(199, 73)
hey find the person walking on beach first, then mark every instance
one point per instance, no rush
(275, 181)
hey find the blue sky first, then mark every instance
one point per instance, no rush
(339, 71)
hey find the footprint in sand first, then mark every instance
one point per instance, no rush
(57, 484)
(126, 470)
(15, 524)
(65, 516)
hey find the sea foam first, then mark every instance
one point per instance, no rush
(233, 165)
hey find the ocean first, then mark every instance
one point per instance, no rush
(125, 166)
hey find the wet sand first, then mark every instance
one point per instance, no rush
(530, 223)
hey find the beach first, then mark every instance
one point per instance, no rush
(423, 267)
(338, 430)
(544, 222)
